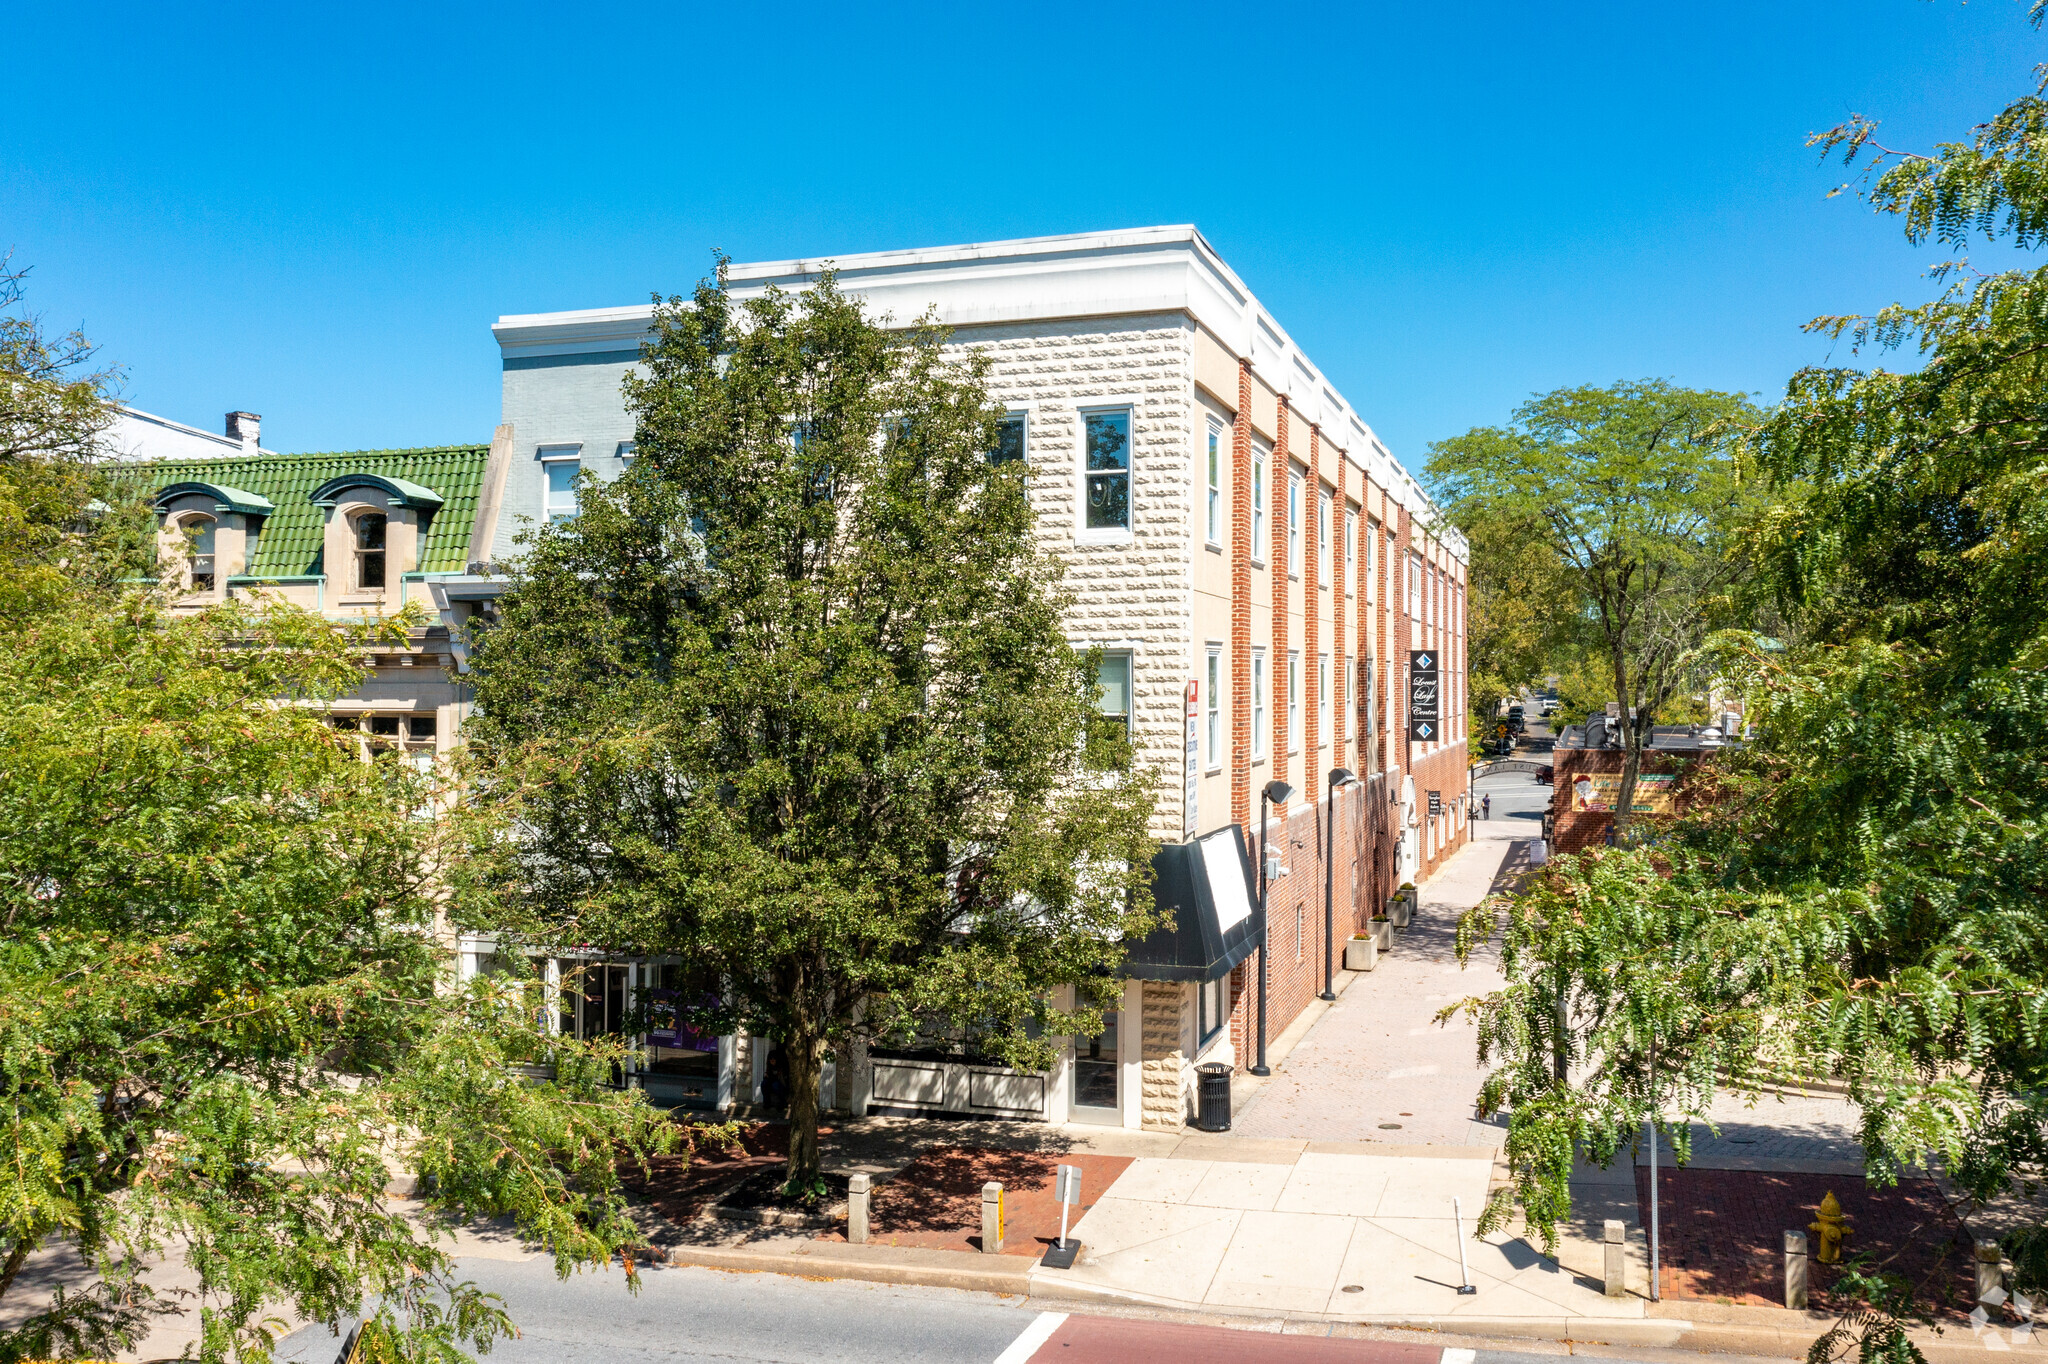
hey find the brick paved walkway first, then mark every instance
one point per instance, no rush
(1378, 1057)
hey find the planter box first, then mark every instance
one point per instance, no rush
(1400, 910)
(1385, 931)
(1362, 953)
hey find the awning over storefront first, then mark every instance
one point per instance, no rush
(1207, 886)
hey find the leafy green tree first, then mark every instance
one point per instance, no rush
(226, 1017)
(1512, 626)
(792, 701)
(1633, 489)
(1862, 899)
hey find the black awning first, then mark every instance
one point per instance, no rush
(1206, 884)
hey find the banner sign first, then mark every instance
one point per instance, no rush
(1601, 791)
(1194, 763)
(1425, 703)
(1436, 804)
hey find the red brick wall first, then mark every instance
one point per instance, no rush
(1576, 830)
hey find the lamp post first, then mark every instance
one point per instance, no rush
(1274, 792)
(1339, 777)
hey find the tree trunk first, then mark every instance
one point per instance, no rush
(804, 1054)
(1631, 751)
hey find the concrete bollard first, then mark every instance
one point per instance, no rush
(1615, 1235)
(1990, 1271)
(1795, 1269)
(857, 1210)
(991, 1218)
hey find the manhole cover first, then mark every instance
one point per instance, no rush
(1390, 1127)
(1354, 1288)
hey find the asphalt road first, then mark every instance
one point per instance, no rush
(701, 1316)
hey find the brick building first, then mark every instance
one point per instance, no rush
(1586, 775)
(1252, 560)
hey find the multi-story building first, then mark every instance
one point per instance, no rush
(1255, 564)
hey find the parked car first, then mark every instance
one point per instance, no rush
(1546, 776)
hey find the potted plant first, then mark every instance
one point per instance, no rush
(1383, 929)
(1362, 951)
(1401, 908)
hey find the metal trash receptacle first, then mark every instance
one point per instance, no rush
(1212, 1097)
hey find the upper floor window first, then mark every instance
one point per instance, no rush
(561, 488)
(1258, 504)
(1323, 539)
(1372, 561)
(1293, 700)
(369, 531)
(1414, 588)
(1213, 698)
(1108, 470)
(1215, 497)
(1258, 703)
(1294, 523)
(1113, 690)
(1351, 553)
(1009, 440)
(627, 449)
(199, 557)
(1322, 700)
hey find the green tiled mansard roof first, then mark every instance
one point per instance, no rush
(291, 540)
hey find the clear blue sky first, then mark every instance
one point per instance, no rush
(315, 212)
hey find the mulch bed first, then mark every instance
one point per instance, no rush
(935, 1200)
(682, 1185)
(763, 1189)
(1723, 1234)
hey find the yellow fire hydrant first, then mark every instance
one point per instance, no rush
(1831, 1230)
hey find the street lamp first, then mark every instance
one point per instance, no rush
(1275, 792)
(1339, 777)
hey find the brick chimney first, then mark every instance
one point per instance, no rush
(245, 427)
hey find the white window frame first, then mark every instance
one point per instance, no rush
(1415, 587)
(549, 456)
(1293, 524)
(1214, 496)
(1259, 462)
(1322, 539)
(1084, 534)
(626, 450)
(1213, 704)
(1322, 700)
(1258, 704)
(1130, 658)
(1022, 416)
(1294, 700)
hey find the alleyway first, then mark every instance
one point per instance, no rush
(1377, 1066)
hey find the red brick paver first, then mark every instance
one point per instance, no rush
(1724, 1231)
(935, 1200)
(1113, 1340)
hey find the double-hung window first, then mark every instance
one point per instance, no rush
(1213, 699)
(1258, 703)
(1214, 502)
(559, 466)
(1323, 539)
(1293, 700)
(1351, 553)
(369, 550)
(1323, 701)
(1414, 588)
(1009, 440)
(1107, 469)
(1258, 504)
(1113, 691)
(1294, 524)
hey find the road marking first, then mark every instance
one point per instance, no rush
(1036, 1334)
(1458, 1357)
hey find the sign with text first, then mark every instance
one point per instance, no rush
(1194, 762)
(1425, 695)
(1601, 791)
(1436, 804)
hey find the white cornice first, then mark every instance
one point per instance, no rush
(1170, 269)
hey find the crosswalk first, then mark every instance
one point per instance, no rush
(1080, 1339)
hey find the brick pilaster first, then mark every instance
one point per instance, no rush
(1241, 602)
(1314, 772)
(1277, 560)
(1339, 580)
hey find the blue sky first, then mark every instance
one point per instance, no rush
(316, 212)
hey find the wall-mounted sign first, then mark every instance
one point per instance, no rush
(1194, 763)
(1601, 791)
(1436, 804)
(1425, 695)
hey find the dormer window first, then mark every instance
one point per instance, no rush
(369, 550)
(199, 531)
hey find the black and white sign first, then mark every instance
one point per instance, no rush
(1436, 804)
(1425, 703)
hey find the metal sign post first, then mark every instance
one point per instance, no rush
(1465, 1285)
(1066, 1187)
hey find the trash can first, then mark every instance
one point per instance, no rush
(1212, 1097)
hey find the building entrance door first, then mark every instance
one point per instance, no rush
(1095, 1075)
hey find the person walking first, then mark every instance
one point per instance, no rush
(1486, 807)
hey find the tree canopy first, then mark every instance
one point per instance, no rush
(792, 701)
(227, 1018)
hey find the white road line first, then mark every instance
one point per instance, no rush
(1457, 1357)
(1040, 1330)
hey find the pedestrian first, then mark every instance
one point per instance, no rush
(1486, 807)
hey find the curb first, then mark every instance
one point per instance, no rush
(909, 1265)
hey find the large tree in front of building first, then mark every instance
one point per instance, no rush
(1633, 491)
(227, 1022)
(792, 701)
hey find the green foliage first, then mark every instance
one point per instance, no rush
(1633, 493)
(226, 1018)
(792, 702)
(1512, 624)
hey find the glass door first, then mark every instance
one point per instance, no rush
(1095, 1075)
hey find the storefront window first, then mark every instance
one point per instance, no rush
(1095, 1066)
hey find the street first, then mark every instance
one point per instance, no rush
(701, 1316)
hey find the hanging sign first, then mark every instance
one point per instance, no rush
(1436, 804)
(1425, 695)
(1194, 763)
